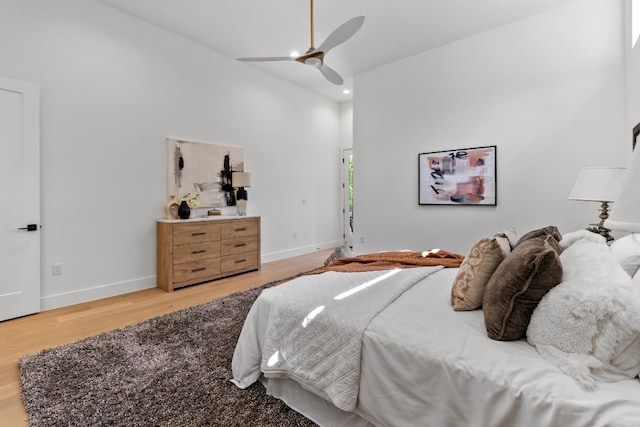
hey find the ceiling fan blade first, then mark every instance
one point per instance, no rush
(268, 58)
(331, 74)
(341, 34)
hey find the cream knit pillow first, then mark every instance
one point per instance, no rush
(476, 270)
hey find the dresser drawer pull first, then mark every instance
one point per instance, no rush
(199, 252)
(198, 269)
(241, 229)
(240, 261)
(198, 234)
(239, 245)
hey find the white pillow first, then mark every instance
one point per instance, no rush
(511, 234)
(569, 239)
(589, 324)
(627, 251)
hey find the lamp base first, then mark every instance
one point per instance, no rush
(604, 232)
(604, 214)
(241, 201)
(241, 206)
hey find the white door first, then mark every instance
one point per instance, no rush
(20, 195)
(347, 197)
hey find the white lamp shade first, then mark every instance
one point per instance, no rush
(241, 179)
(597, 184)
(625, 212)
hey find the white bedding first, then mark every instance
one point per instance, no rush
(315, 327)
(424, 364)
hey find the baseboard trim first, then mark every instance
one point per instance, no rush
(275, 256)
(50, 302)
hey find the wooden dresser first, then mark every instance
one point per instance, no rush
(203, 249)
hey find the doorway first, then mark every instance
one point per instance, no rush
(20, 188)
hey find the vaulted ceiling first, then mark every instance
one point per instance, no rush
(392, 29)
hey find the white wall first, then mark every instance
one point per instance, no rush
(547, 90)
(346, 124)
(112, 88)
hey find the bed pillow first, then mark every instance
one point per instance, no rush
(518, 284)
(569, 239)
(627, 251)
(476, 269)
(589, 325)
(550, 230)
(511, 234)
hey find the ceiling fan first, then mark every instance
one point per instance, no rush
(315, 56)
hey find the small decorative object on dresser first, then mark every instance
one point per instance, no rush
(193, 201)
(184, 211)
(171, 208)
(205, 249)
(240, 180)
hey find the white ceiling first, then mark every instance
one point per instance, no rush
(392, 29)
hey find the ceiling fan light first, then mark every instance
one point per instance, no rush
(316, 62)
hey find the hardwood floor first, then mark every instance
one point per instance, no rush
(31, 334)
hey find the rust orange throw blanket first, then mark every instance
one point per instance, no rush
(389, 260)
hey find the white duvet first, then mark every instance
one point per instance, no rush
(424, 364)
(315, 327)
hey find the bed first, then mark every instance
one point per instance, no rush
(416, 361)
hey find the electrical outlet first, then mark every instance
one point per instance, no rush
(57, 269)
(361, 239)
(295, 235)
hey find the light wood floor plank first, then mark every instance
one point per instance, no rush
(31, 334)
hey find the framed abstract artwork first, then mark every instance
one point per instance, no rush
(204, 170)
(464, 176)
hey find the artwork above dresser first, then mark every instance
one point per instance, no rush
(204, 249)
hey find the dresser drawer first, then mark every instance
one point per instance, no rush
(240, 262)
(185, 234)
(202, 269)
(237, 229)
(237, 246)
(196, 251)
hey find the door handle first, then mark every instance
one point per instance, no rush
(30, 227)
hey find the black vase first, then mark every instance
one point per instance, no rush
(184, 211)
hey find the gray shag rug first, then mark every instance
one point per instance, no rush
(172, 370)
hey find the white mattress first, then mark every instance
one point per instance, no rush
(424, 364)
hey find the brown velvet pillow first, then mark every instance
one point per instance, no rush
(518, 285)
(550, 230)
(476, 269)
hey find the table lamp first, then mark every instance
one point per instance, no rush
(599, 184)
